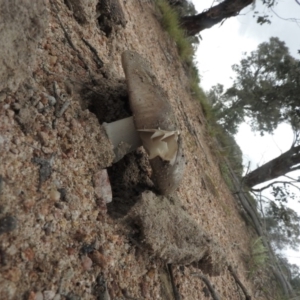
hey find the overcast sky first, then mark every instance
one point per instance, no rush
(223, 46)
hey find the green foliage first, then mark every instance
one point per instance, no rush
(258, 256)
(196, 90)
(233, 151)
(229, 148)
(283, 226)
(266, 90)
(170, 21)
(226, 175)
(183, 7)
(283, 192)
(228, 118)
(291, 272)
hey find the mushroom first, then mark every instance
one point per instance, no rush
(152, 125)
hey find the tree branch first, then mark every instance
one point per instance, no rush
(294, 20)
(275, 182)
(175, 291)
(234, 275)
(295, 168)
(289, 177)
(211, 289)
(262, 196)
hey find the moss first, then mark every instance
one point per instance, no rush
(170, 21)
(258, 256)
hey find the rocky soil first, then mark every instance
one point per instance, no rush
(60, 236)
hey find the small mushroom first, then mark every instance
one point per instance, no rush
(152, 125)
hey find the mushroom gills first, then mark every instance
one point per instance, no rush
(157, 143)
(160, 143)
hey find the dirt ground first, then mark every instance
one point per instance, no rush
(60, 81)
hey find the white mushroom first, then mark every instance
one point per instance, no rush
(152, 125)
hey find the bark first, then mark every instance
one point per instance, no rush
(245, 202)
(236, 278)
(276, 167)
(214, 15)
(210, 287)
(175, 290)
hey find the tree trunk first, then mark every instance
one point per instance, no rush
(213, 16)
(246, 203)
(278, 166)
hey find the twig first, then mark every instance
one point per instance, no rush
(45, 170)
(211, 289)
(98, 60)
(175, 291)
(242, 181)
(141, 6)
(126, 295)
(163, 51)
(63, 109)
(234, 275)
(275, 182)
(57, 96)
(295, 180)
(135, 242)
(68, 36)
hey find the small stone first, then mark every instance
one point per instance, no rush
(47, 150)
(100, 289)
(7, 224)
(31, 296)
(10, 113)
(102, 186)
(53, 59)
(12, 250)
(72, 296)
(145, 291)
(33, 276)
(51, 100)
(2, 97)
(151, 273)
(49, 227)
(87, 263)
(54, 195)
(39, 296)
(49, 295)
(44, 138)
(12, 274)
(99, 259)
(28, 254)
(35, 100)
(57, 297)
(63, 194)
(40, 105)
(8, 289)
(16, 106)
(28, 204)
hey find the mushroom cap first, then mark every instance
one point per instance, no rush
(155, 122)
(148, 101)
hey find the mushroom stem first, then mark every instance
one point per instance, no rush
(123, 136)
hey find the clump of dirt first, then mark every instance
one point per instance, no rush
(110, 15)
(23, 23)
(129, 178)
(171, 234)
(107, 99)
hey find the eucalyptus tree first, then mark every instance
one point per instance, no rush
(217, 14)
(283, 226)
(265, 93)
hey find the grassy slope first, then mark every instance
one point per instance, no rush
(224, 146)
